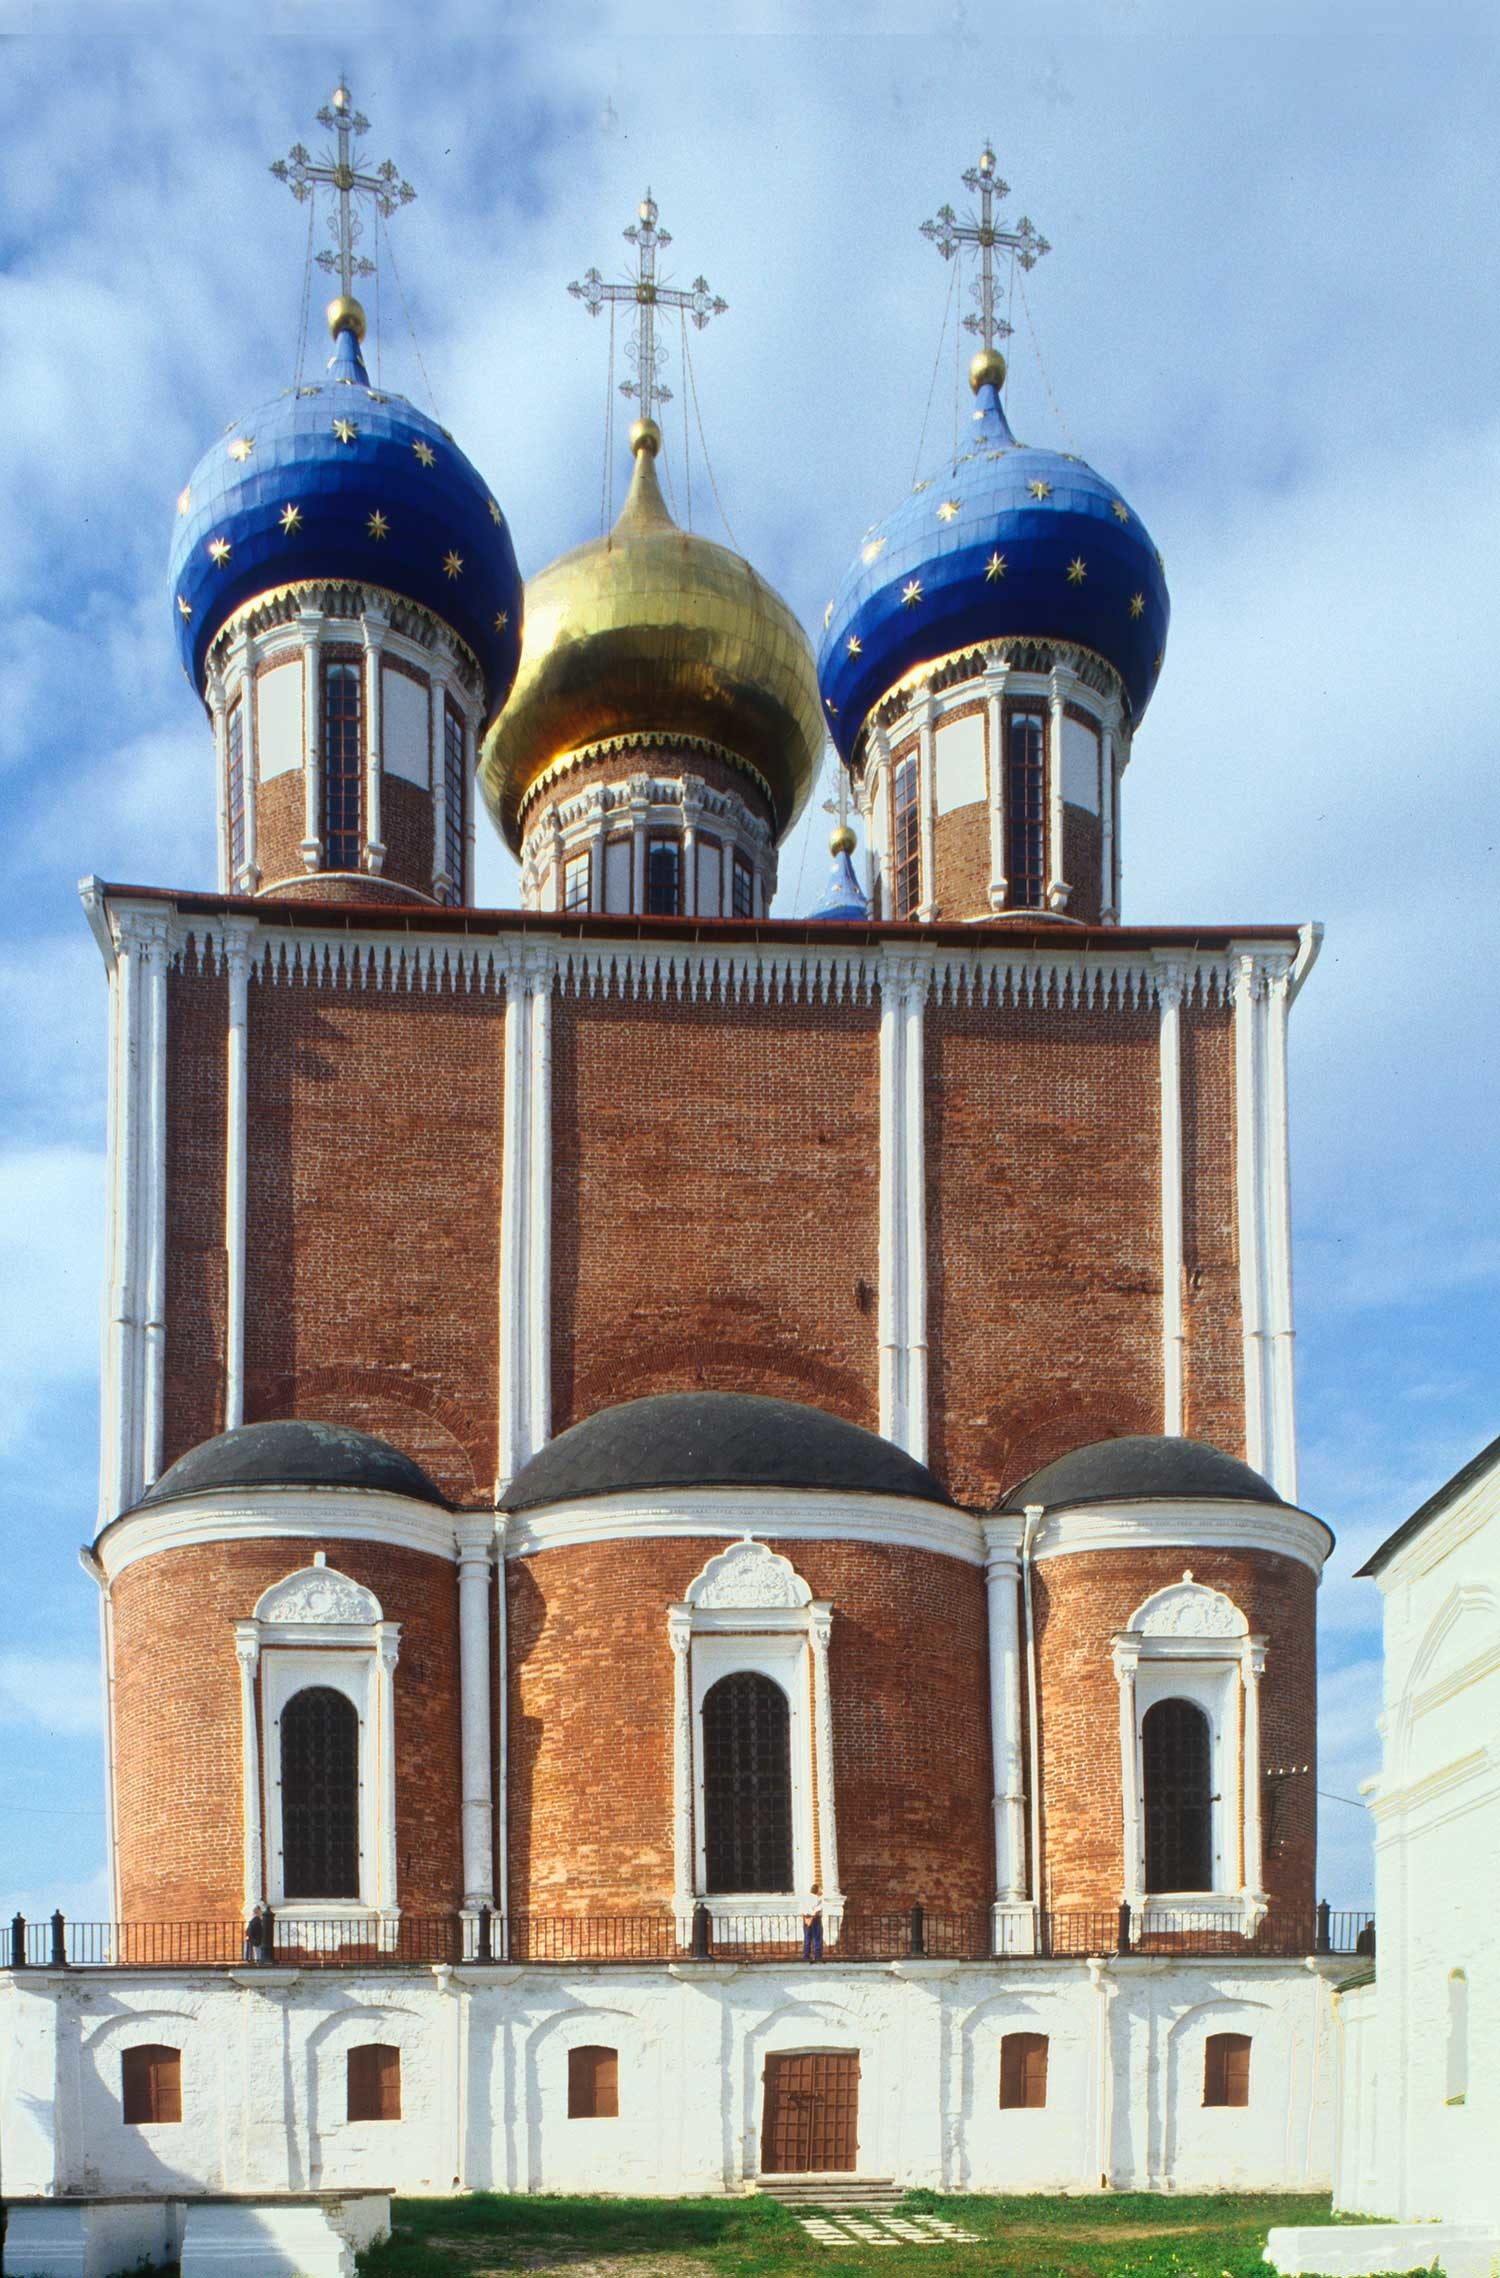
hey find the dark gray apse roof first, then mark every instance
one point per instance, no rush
(716, 1439)
(293, 1452)
(1141, 1467)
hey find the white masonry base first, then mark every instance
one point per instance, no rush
(315, 2237)
(1459, 2250)
(484, 2071)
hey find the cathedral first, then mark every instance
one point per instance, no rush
(699, 1557)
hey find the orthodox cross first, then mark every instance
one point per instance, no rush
(648, 294)
(343, 171)
(1022, 243)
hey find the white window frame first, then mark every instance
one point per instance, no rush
(750, 1609)
(320, 1627)
(1187, 1642)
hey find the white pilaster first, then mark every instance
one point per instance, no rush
(1127, 1654)
(526, 1213)
(1169, 999)
(539, 1231)
(639, 801)
(994, 694)
(1057, 885)
(902, 1324)
(820, 1629)
(311, 848)
(249, 877)
(1252, 1668)
(1109, 909)
(1248, 997)
(388, 1646)
(502, 1731)
(926, 710)
(1002, 1575)
(465, 885)
(237, 940)
(680, 1631)
(437, 776)
(154, 1214)
(119, 1471)
(473, 1537)
(373, 626)
(1282, 1435)
(218, 711)
(247, 1651)
(914, 1156)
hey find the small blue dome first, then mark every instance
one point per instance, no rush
(1005, 541)
(337, 480)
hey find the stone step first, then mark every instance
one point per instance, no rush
(874, 2194)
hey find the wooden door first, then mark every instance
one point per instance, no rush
(811, 2124)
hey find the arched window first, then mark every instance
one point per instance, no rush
(1026, 811)
(1177, 1767)
(150, 2085)
(343, 764)
(320, 1795)
(374, 2082)
(593, 2084)
(747, 1784)
(1458, 2037)
(1023, 2072)
(906, 840)
(1226, 2068)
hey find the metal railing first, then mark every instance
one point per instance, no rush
(366, 1941)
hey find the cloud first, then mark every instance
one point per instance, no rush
(58, 1693)
(51, 1265)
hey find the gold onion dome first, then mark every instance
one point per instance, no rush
(653, 632)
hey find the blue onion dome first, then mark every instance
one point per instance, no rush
(1002, 542)
(339, 480)
(841, 896)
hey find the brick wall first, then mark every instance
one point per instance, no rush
(591, 1723)
(961, 862)
(374, 1202)
(1044, 1258)
(406, 824)
(1080, 1601)
(280, 821)
(1083, 863)
(178, 1738)
(1214, 1376)
(197, 1017)
(714, 1202)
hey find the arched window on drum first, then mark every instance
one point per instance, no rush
(747, 1785)
(320, 1795)
(1177, 1780)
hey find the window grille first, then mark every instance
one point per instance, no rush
(747, 1784)
(320, 1795)
(1226, 2068)
(663, 877)
(235, 738)
(343, 764)
(1026, 811)
(742, 890)
(576, 882)
(1177, 1763)
(374, 2088)
(593, 2084)
(1023, 2072)
(907, 840)
(151, 2085)
(455, 792)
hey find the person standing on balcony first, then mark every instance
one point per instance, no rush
(255, 1937)
(812, 1927)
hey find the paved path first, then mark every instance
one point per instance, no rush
(886, 2230)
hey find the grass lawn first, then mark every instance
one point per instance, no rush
(1119, 2236)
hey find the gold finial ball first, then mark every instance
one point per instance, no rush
(645, 435)
(346, 315)
(341, 97)
(987, 369)
(647, 209)
(841, 840)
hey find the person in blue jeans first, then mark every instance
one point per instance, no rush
(812, 1927)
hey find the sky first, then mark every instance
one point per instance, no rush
(1269, 315)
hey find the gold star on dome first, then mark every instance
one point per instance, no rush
(1040, 489)
(185, 498)
(948, 510)
(1078, 570)
(426, 455)
(502, 619)
(218, 550)
(1137, 605)
(911, 593)
(830, 707)
(1001, 454)
(995, 567)
(377, 525)
(291, 519)
(1120, 510)
(856, 645)
(919, 486)
(185, 608)
(875, 547)
(241, 447)
(452, 564)
(345, 430)
(495, 515)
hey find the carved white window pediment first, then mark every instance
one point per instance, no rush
(318, 1594)
(1188, 1609)
(751, 1575)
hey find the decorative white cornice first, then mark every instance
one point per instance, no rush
(1184, 1525)
(785, 1515)
(268, 1514)
(333, 601)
